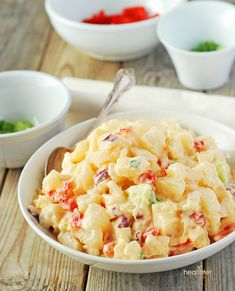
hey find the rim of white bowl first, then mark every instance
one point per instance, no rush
(43, 125)
(188, 52)
(86, 26)
(53, 242)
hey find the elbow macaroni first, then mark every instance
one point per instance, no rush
(134, 190)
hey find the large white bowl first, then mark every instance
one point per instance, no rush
(194, 22)
(32, 175)
(34, 96)
(107, 42)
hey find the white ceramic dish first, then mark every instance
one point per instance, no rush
(107, 42)
(194, 22)
(32, 175)
(34, 96)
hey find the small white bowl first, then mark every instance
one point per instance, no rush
(183, 28)
(107, 42)
(34, 96)
(32, 175)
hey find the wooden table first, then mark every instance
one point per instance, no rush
(26, 261)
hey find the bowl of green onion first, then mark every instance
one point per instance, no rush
(33, 107)
(7, 126)
(200, 39)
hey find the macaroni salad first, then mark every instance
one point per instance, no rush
(136, 190)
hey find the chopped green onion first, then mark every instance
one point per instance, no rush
(158, 199)
(223, 173)
(141, 256)
(22, 125)
(152, 198)
(6, 127)
(207, 46)
(14, 126)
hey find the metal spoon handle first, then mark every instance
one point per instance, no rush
(125, 79)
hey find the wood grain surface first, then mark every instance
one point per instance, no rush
(26, 261)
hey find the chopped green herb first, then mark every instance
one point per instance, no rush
(141, 256)
(6, 127)
(14, 126)
(207, 46)
(142, 194)
(158, 199)
(223, 173)
(152, 198)
(134, 163)
(22, 125)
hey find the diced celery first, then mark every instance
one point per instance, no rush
(223, 173)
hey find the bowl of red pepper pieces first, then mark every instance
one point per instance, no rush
(117, 31)
(127, 15)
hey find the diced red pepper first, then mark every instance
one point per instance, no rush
(139, 237)
(67, 189)
(152, 230)
(51, 193)
(148, 177)
(199, 218)
(128, 15)
(99, 18)
(200, 145)
(133, 11)
(103, 204)
(64, 196)
(225, 231)
(163, 166)
(108, 249)
(120, 19)
(68, 203)
(125, 130)
(183, 245)
(180, 248)
(101, 176)
(108, 237)
(76, 219)
(137, 13)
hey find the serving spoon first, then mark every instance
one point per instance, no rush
(125, 79)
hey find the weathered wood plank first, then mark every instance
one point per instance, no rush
(156, 69)
(24, 31)
(26, 261)
(229, 88)
(2, 178)
(63, 60)
(164, 281)
(222, 267)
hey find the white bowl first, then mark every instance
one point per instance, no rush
(107, 42)
(183, 28)
(32, 175)
(34, 96)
